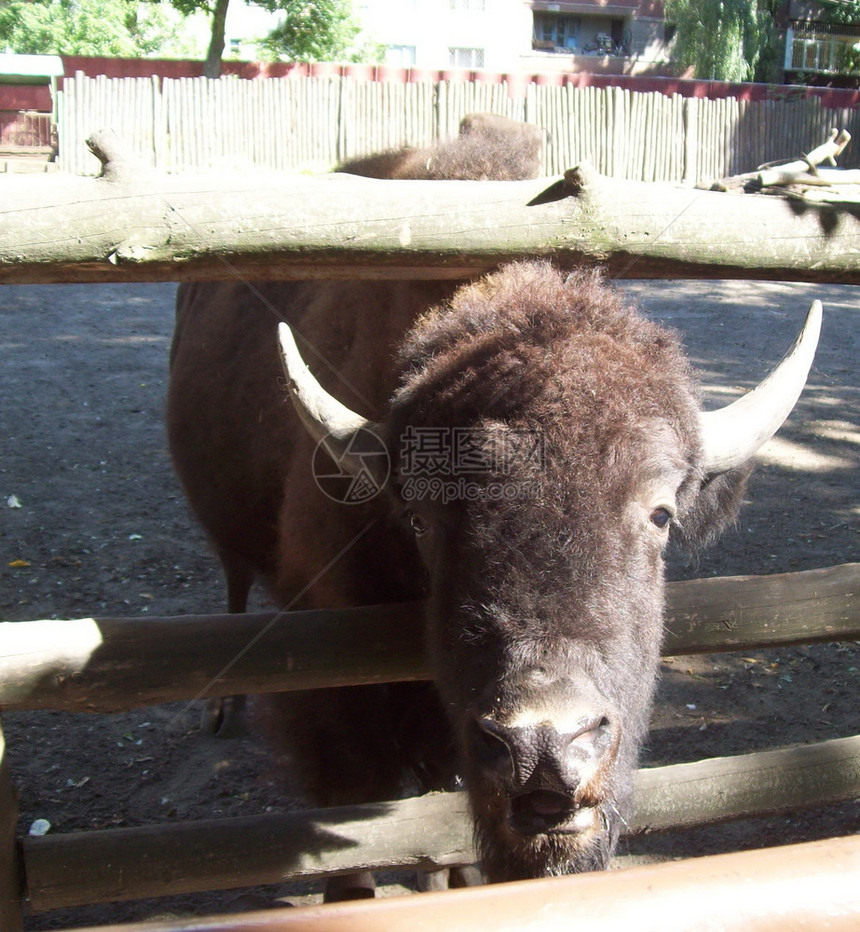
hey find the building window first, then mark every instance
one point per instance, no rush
(557, 32)
(460, 57)
(829, 48)
(400, 56)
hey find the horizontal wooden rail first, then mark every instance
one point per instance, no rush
(811, 886)
(721, 789)
(134, 225)
(725, 613)
(426, 832)
(107, 665)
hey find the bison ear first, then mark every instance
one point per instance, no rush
(707, 507)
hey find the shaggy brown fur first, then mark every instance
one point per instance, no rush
(548, 597)
(489, 148)
(568, 581)
(237, 448)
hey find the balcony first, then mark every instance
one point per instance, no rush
(822, 48)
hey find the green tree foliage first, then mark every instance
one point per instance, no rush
(725, 40)
(90, 27)
(310, 30)
(841, 11)
(315, 30)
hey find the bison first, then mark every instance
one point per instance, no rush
(527, 446)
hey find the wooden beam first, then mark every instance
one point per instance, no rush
(113, 865)
(11, 906)
(725, 613)
(61, 228)
(810, 886)
(426, 832)
(109, 664)
(721, 789)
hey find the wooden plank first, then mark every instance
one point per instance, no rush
(744, 612)
(106, 665)
(426, 832)
(11, 905)
(799, 887)
(723, 789)
(810, 886)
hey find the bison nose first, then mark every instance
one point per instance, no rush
(543, 770)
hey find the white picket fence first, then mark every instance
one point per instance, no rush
(310, 123)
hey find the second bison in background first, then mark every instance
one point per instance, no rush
(544, 441)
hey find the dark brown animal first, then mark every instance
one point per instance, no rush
(545, 442)
(489, 147)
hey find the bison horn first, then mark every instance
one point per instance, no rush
(732, 435)
(327, 420)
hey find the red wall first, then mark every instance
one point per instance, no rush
(119, 67)
(714, 90)
(14, 98)
(25, 97)
(172, 68)
(16, 130)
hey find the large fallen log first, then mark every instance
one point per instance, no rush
(108, 665)
(135, 225)
(427, 832)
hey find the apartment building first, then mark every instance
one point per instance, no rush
(616, 36)
(818, 50)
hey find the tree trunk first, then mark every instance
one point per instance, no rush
(135, 224)
(212, 65)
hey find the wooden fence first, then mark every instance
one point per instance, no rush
(310, 123)
(110, 665)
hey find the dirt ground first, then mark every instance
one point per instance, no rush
(92, 522)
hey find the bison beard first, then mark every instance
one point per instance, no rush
(544, 606)
(508, 856)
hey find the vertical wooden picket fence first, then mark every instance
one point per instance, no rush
(310, 123)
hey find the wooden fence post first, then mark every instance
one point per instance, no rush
(690, 130)
(10, 876)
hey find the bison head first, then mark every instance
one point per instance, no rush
(547, 442)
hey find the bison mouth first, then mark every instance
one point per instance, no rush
(543, 832)
(543, 812)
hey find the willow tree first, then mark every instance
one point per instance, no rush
(725, 40)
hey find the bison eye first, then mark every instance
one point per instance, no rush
(661, 517)
(418, 524)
